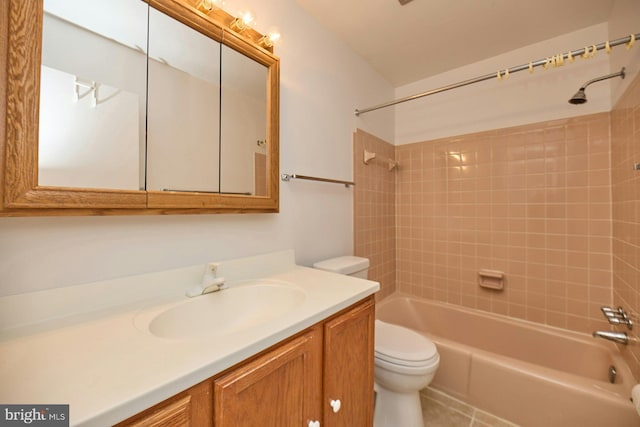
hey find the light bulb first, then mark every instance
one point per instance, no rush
(207, 6)
(247, 18)
(274, 37)
(243, 21)
(270, 39)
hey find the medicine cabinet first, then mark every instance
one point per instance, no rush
(135, 107)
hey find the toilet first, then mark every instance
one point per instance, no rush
(405, 361)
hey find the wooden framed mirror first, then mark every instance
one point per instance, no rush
(148, 176)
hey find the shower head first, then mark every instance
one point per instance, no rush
(581, 97)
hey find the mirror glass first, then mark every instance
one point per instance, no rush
(93, 94)
(132, 99)
(243, 168)
(183, 124)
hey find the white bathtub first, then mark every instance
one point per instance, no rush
(527, 373)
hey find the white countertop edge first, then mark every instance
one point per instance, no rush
(117, 414)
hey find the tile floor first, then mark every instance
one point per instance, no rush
(442, 410)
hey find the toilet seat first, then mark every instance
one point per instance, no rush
(401, 346)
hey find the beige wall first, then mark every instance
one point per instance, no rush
(374, 210)
(532, 201)
(625, 189)
(623, 21)
(521, 99)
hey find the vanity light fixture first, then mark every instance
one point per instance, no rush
(207, 6)
(243, 21)
(270, 39)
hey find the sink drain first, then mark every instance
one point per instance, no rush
(612, 374)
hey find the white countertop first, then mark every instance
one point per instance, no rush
(80, 346)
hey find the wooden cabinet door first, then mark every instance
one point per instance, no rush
(348, 368)
(279, 389)
(191, 408)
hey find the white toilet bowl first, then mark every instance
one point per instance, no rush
(405, 363)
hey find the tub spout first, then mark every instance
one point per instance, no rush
(619, 337)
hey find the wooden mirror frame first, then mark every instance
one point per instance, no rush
(21, 46)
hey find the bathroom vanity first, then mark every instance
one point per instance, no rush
(322, 374)
(282, 345)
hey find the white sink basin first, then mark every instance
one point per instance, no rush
(225, 312)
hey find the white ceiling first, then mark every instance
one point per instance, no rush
(427, 37)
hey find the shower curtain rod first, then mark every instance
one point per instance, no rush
(505, 72)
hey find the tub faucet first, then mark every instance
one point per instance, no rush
(618, 337)
(209, 282)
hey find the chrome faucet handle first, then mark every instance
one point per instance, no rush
(611, 312)
(617, 316)
(628, 321)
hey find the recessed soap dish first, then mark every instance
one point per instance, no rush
(491, 279)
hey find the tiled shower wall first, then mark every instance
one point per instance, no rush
(531, 201)
(374, 210)
(625, 152)
(554, 205)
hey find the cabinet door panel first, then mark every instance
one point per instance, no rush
(348, 368)
(279, 389)
(192, 407)
(176, 414)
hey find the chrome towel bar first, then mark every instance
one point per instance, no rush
(289, 177)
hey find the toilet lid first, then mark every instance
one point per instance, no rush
(403, 346)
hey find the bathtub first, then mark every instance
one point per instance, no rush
(527, 373)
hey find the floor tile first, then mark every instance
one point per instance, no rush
(441, 410)
(435, 414)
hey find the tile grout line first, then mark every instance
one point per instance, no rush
(473, 417)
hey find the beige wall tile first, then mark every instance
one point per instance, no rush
(555, 205)
(532, 201)
(625, 196)
(374, 209)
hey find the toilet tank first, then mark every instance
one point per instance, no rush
(350, 265)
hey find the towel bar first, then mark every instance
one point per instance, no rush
(288, 177)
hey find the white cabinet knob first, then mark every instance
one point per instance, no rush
(335, 404)
(314, 423)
